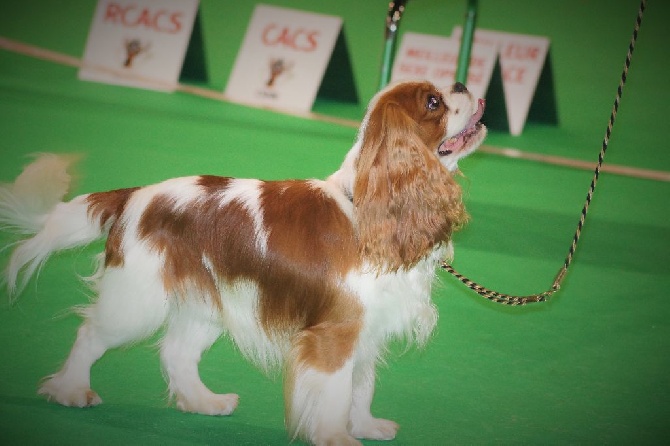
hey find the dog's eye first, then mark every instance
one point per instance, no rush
(433, 102)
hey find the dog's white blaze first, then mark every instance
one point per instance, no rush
(461, 108)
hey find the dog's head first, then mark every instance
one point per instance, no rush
(411, 139)
(447, 121)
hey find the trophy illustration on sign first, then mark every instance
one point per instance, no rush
(278, 66)
(133, 48)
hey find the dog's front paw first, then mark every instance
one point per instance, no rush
(337, 440)
(55, 389)
(374, 429)
(211, 404)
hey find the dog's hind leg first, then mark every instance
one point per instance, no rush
(361, 422)
(130, 307)
(192, 328)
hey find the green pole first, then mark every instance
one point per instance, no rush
(466, 42)
(387, 62)
(396, 9)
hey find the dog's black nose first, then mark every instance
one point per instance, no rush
(458, 88)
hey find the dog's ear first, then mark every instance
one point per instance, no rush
(405, 201)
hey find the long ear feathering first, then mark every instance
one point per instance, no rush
(405, 201)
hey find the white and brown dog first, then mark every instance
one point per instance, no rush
(315, 276)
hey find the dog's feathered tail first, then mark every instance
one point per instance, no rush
(32, 205)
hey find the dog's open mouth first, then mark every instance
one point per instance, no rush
(460, 140)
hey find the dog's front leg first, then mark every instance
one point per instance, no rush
(318, 385)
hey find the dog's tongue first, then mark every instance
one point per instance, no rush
(457, 141)
(474, 119)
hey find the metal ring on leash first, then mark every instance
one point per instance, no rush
(506, 299)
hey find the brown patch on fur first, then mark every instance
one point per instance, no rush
(310, 246)
(328, 345)
(213, 183)
(187, 234)
(106, 206)
(113, 251)
(405, 201)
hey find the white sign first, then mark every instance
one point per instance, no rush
(140, 43)
(522, 58)
(435, 58)
(283, 58)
